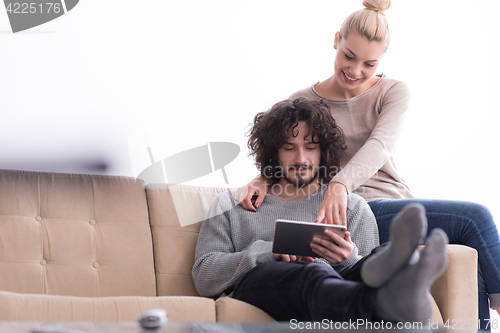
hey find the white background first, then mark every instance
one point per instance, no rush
(76, 89)
(75, 92)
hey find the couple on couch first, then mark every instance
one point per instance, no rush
(297, 146)
(370, 109)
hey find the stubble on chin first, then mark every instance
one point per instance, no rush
(299, 182)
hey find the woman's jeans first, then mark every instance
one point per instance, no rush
(465, 223)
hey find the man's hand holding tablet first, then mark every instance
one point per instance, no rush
(302, 241)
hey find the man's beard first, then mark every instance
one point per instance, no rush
(299, 181)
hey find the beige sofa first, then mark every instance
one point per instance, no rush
(79, 247)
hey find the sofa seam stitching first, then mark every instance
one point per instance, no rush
(95, 232)
(44, 282)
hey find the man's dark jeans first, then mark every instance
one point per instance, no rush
(308, 292)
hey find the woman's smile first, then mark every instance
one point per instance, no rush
(349, 79)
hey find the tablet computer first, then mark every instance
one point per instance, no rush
(294, 237)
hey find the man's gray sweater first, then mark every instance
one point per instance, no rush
(234, 240)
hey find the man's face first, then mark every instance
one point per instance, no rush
(300, 157)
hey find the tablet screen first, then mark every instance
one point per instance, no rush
(294, 237)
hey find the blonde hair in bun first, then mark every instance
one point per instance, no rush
(369, 22)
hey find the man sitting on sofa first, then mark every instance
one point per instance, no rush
(297, 145)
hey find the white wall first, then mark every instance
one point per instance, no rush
(189, 72)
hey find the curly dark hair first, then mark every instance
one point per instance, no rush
(271, 129)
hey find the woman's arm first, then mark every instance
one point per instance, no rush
(362, 234)
(371, 157)
(379, 147)
(258, 186)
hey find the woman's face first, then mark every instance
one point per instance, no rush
(356, 61)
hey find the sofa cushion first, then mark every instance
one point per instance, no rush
(24, 307)
(231, 310)
(176, 213)
(75, 235)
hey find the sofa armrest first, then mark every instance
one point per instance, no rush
(455, 291)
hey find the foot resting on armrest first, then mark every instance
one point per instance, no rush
(407, 229)
(414, 282)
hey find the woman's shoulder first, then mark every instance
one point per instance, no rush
(387, 84)
(307, 92)
(393, 93)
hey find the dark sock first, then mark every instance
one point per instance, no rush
(407, 229)
(406, 297)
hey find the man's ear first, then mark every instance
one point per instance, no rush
(336, 41)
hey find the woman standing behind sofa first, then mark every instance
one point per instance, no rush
(370, 111)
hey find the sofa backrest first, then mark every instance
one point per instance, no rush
(77, 235)
(176, 213)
